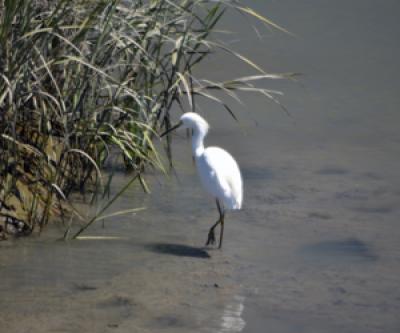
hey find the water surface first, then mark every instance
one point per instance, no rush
(315, 248)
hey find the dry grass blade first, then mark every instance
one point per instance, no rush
(252, 12)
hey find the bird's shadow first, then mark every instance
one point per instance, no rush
(179, 250)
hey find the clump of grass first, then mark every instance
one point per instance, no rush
(81, 81)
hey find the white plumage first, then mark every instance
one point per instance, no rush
(221, 177)
(218, 171)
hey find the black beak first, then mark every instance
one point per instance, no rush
(171, 129)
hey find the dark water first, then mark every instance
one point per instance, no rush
(316, 247)
(322, 186)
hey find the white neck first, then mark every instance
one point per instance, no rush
(198, 142)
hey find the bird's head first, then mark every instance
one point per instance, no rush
(193, 121)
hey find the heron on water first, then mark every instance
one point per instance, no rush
(218, 170)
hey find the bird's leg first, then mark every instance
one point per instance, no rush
(221, 219)
(211, 233)
(221, 236)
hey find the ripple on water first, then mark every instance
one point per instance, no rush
(332, 170)
(351, 249)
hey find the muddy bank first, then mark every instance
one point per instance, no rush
(133, 283)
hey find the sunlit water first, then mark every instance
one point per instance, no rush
(315, 248)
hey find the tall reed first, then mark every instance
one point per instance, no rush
(83, 80)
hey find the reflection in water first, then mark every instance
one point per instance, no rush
(232, 320)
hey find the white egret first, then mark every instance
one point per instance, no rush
(218, 171)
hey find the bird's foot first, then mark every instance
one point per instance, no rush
(211, 237)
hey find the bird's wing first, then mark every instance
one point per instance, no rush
(224, 178)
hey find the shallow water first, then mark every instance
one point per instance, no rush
(315, 248)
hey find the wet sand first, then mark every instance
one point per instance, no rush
(315, 248)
